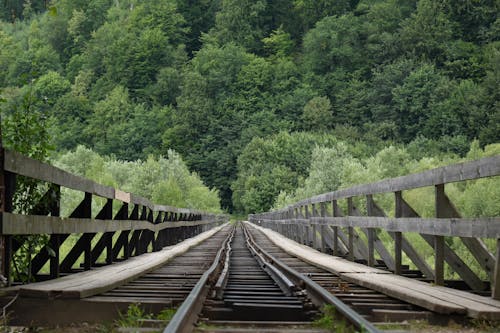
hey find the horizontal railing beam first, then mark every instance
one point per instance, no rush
(15, 224)
(28, 167)
(459, 227)
(485, 167)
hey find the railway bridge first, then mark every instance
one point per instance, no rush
(338, 256)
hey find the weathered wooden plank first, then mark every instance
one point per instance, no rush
(446, 209)
(495, 285)
(25, 166)
(487, 227)
(15, 224)
(485, 167)
(106, 278)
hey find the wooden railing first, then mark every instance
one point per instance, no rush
(320, 222)
(134, 227)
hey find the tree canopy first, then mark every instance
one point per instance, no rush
(222, 81)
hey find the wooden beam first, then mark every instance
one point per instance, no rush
(15, 224)
(485, 167)
(439, 260)
(446, 209)
(398, 240)
(495, 289)
(488, 227)
(19, 164)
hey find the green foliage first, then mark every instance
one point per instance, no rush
(133, 317)
(206, 78)
(317, 115)
(163, 180)
(24, 130)
(331, 321)
(270, 166)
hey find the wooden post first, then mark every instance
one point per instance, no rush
(55, 240)
(335, 249)
(323, 228)
(350, 209)
(398, 240)
(495, 289)
(7, 189)
(439, 240)
(371, 236)
(307, 232)
(398, 237)
(439, 260)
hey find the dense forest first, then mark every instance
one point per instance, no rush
(267, 101)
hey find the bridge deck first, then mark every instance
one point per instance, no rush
(105, 278)
(435, 298)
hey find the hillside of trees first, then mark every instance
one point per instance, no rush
(260, 98)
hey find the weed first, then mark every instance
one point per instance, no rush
(133, 316)
(166, 314)
(332, 322)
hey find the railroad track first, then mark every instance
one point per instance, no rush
(167, 286)
(372, 305)
(251, 291)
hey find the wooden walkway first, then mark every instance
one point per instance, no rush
(99, 280)
(435, 298)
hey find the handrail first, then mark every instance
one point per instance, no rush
(485, 167)
(147, 227)
(25, 166)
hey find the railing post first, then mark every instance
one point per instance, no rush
(371, 236)
(323, 228)
(335, 249)
(7, 189)
(495, 289)
(398, 237)
(314, 228)
(350, 210)
(55, 240)
(439, 240)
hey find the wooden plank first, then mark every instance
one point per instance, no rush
(15, 224)
(334, 264)
(446, 209)
(102, 279)
(25, 166)
(485, 167)
(461, 227)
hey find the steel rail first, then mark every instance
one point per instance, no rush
(186, 315)
(287, 286)
(317, 293)
(224, 276)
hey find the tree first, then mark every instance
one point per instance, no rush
(428, 31)
(317, 115)
(241, 22)
(416, 101)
